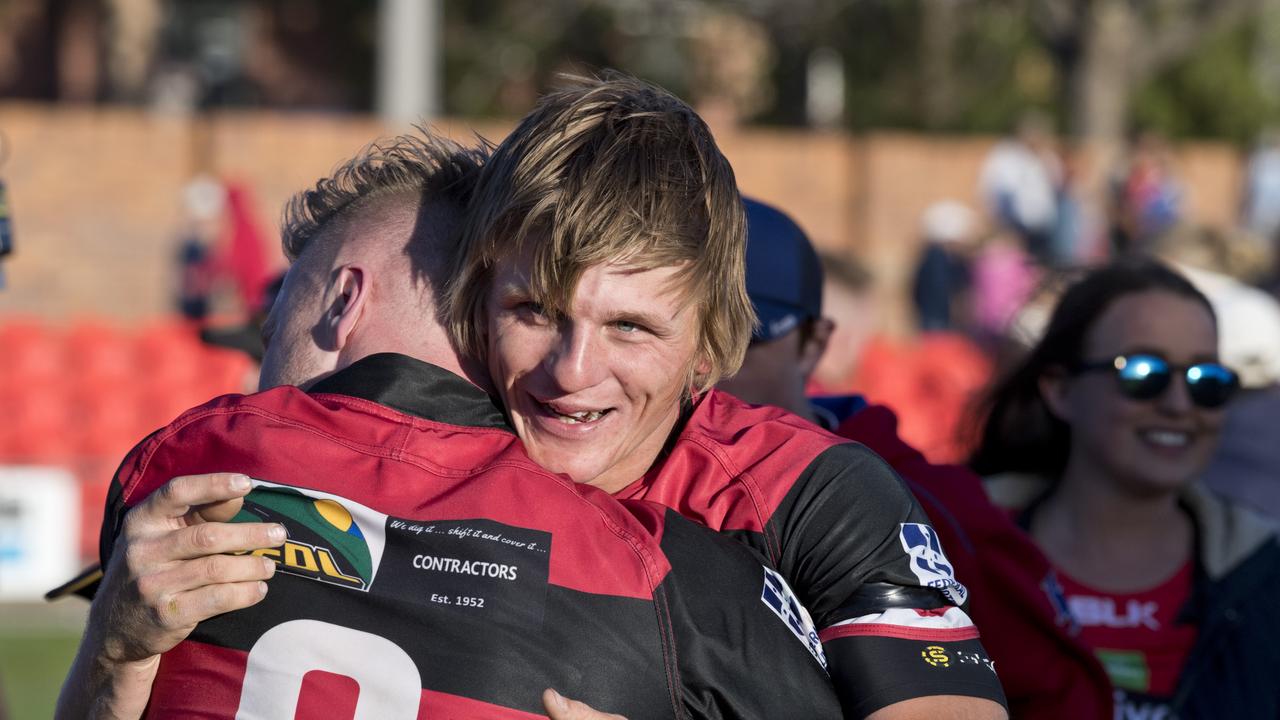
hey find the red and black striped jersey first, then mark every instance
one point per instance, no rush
(839, 526)
(432, 570)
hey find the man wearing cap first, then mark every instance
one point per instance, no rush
(784, 281)
(1045, 672)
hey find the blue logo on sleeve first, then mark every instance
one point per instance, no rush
(778, 596)
(928, 563)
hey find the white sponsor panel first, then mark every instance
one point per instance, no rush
(39, 530)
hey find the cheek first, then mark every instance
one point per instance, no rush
(1099, 417)
(514, 349)
(1210, 422)
(663, 374)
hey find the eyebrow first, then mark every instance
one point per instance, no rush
(1195, 359)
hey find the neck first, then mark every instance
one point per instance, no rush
(421, 341)
(1105, 535)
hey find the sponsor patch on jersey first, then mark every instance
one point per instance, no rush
(1128, 669)
(942, 657)
(332, 539)
(778, 596)
(479, 568)
(928, 563)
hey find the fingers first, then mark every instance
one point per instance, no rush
(559, 707)
(186, 609)
(221, 511)
(211, 570)
(219, 537)
(176, 497)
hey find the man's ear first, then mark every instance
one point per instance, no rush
(350, 285)
(1053, 385)
(815, 346)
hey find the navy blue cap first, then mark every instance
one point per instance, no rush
(784, 275)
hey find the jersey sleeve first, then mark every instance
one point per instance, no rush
(889, 610)
(117, 499)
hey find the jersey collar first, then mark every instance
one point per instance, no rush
(415, 388)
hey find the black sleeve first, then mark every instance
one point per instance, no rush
(860, 553)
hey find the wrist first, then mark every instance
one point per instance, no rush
(122, 688)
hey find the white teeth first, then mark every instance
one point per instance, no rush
(579, 417)
(1166, 438)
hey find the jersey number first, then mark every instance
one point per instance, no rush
(390, 686)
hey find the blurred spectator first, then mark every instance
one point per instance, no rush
(1146, 197)
(221, 215)
(1261, 211)
(1072, 234)
(1004, 278)
(1019, 183)
(784, 280)
(247, 337)
(1045, 673)
(1220, 264)
(203, 201)
(943, 277)
(848, 298)
(1097, 441)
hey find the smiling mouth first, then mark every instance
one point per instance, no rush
(1166, 438)
(575, 418)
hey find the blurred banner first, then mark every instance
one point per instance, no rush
(39, 530)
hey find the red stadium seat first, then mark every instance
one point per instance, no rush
(41, 425)
(30, 353)
(99, 353)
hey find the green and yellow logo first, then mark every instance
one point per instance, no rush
(331, 539)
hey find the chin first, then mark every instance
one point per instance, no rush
(563, 463)
(1145, 482)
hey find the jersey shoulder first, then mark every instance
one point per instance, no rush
(734, 466)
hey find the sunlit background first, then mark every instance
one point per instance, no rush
(146, 147)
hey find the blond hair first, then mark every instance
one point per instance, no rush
(610, 169)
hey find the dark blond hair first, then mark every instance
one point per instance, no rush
(424, 165)
(610, 169)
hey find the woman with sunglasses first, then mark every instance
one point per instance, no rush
(1096, 442)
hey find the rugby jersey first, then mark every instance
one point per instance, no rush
(432, 570)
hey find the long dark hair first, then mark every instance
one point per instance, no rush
(1019, 434)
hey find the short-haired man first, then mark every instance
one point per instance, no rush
(429, 567)
(602, 282)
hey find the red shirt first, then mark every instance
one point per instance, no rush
(1136, 635)
(1047, 672)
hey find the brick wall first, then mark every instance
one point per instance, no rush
(95, 193)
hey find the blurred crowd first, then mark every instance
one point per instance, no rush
(1088, 412)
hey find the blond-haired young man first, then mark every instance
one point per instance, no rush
(601, 280)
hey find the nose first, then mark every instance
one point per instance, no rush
(1176, 399)
(575, 362)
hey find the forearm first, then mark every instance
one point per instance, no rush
(100, 688)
